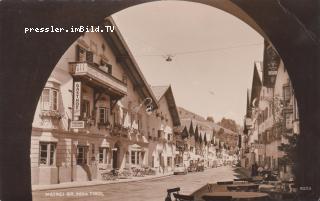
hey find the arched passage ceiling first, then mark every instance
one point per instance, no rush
(28, 59)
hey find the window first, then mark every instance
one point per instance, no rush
(169, 137)
(125, 113)
(139, 122)
(103, 153)
(286, 93)
(89, 56)
(47, 153)
(106, 67)
(85, 109)
(82, 155)
(159, 134)
(92, 149)
(81, 54)
(49, 99)
(103, 115)
(135, 157)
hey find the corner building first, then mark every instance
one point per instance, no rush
(93, 114)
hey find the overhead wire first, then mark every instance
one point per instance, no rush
(202, 51)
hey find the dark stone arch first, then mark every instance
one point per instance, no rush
(28, 59)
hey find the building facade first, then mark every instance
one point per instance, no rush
(271, 116)
(98, 113)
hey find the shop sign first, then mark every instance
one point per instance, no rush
(258, 146)
(77, 99)
(77, 124)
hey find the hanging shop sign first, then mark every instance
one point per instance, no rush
(270, 65)
(77, 99)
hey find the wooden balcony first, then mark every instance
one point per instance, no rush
(95, 76)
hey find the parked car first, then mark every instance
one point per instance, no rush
(180, 169)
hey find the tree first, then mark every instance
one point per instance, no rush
(191, 131)
(200, 138)
(205, 139)
(196, 134)
(185, 133)
(289, 149)
(221, 131)
(209, 118)
(228, 124)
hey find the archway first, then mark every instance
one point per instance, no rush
(30, 58)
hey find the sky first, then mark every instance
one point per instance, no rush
(212, 54)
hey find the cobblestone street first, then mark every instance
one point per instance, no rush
(154, 190)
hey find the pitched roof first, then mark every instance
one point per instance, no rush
(159, 91)
(123, 54)
(166, 91)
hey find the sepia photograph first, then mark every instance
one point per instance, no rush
(160, 100)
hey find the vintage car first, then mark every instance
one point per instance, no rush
(180, 169)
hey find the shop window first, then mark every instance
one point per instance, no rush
(82, 155)
(85, 109)
(49, 99)
(47, 153)
(103, 155)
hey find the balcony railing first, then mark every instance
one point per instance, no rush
(98, 76)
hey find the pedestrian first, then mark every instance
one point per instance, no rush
(254, 169)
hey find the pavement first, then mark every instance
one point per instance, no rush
(77, 184)
(139, 190)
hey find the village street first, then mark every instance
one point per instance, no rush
(151, 190)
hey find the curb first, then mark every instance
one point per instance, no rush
(100, 184)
